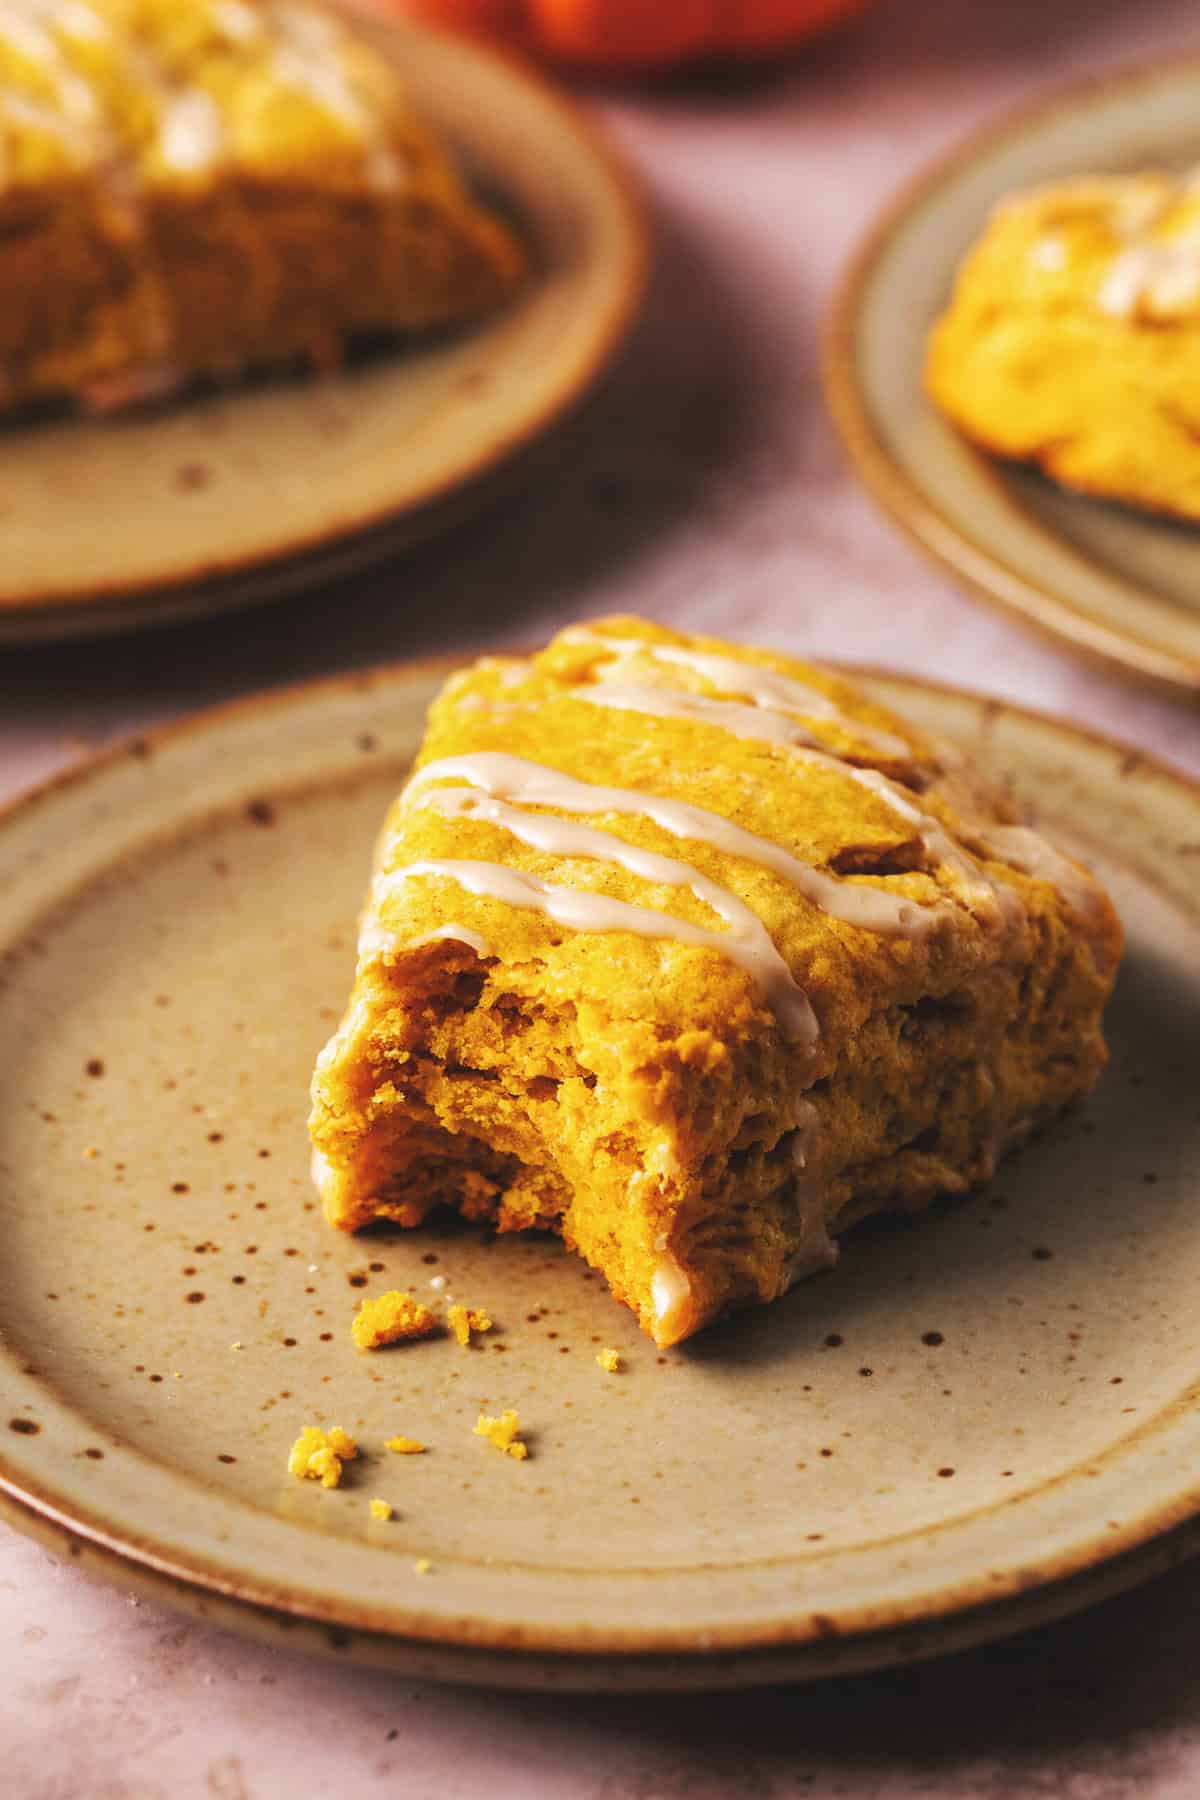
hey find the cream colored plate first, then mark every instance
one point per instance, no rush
(1114, 583)
(216, 502)
(775, 1499)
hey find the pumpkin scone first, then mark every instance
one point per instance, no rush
(695, 955)
(1072, 339)
(202, 187)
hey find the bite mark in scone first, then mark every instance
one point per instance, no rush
(1072, 338)
(695, 955)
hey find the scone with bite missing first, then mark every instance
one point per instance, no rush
(695, 955)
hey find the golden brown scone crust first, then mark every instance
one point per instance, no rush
(1072, 339)
(640, 1095)
(200, 187)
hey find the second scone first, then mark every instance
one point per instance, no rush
(1072, 339)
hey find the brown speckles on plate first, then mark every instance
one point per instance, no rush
(708, 1438)
(24, 1427)
(193, 477)
(933, 1339)
(93, 1067)
(260, 812)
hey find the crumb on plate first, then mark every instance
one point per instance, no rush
(463, 1320)
(405, 1446)
(381, 1509)
(318, 1455)
(609, 1360)
(390, 1318)
(503, 1433)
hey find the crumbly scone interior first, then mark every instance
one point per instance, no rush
(638, 1094)
(1072, 333)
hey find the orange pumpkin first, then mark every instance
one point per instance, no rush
(640, 33)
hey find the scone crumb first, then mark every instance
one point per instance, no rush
(463, 1320)
(503, 1433)
(236, 1344)
(609, 1360)
(389, 1319)
(423, 1566)
(405, 1446)
(317, 1455)
(381, 1509)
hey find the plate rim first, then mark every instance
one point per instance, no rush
(985, 574)
(799, 1646)
(201, 587)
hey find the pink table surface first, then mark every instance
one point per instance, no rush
(704, 487)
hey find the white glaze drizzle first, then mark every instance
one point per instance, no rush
(237, 21)
(455, 934)
(308, 59)
(995, 901)
(1163, 272)
(532, 784)
(738, 680)
(72, 116)
(191, 137)
(1028, 851)
(747, 943)
(1049, 253)
(1167, 274)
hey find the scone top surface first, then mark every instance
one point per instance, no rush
(179, 91)
(650, 1082)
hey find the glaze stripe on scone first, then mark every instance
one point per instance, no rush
(695, 955)
(1072, 338)
(198, 187)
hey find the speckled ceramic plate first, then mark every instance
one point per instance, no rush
(979, 1420)
(220, 501)
(1114, 583)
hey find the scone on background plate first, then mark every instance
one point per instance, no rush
(1072, 339)
(695, 955)
(202, 187)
